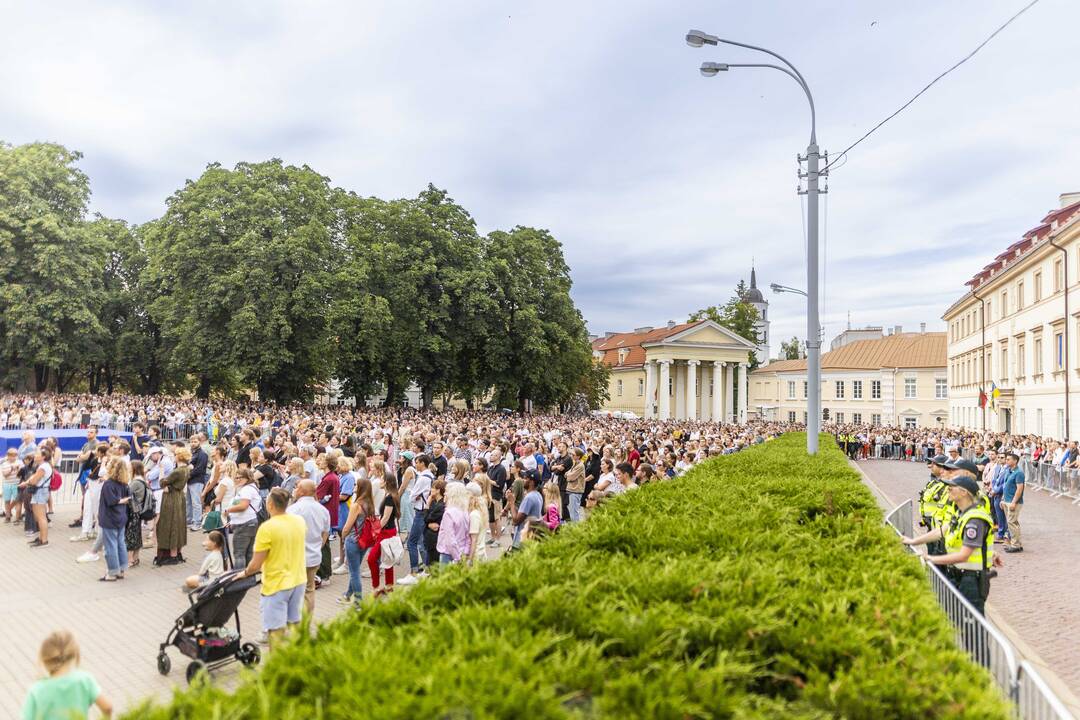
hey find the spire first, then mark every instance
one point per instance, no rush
(753, 275)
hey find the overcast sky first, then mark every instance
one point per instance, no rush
(590, 119)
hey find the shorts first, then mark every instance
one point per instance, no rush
(40, 497)
(11, 492)
(158, 494)
(281, 608)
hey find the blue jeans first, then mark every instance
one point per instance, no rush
(194, 503)
(354, 557)
(998, 513)
(116, 557)
(575, 506)
(417, 548)
(445, 559)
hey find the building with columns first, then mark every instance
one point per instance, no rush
(681, 371)
(1017, 328)
(897, 380)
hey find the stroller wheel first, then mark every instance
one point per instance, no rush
(195, 669)
(249, 654)
(164, 664)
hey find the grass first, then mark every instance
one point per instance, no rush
(760, 585)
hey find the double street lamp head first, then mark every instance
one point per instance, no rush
(710, 69)
(697, 38)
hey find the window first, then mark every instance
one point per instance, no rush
(856, 390)
(1004, 303)
(1037, 287)
(1059, 356)
(805, 389)
(1059, 275)
(875, 389)
(941, 388)
(791, 391)
(839, 417)
(1037, 361)
(618, 388)
(875, 419)
(791, 416)
(1005, 364)
(640, 387)
(840, 389)
(910, 423)
(697, 386)
(856, 418)
(670, 386)
(1038, 422)
(909, 388)
(1020, 295)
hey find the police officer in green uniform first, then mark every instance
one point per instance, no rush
(935, 508)
(969, 548)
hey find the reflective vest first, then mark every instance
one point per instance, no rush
(980, 558)
(932, 497)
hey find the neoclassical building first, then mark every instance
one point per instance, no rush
(680, 371)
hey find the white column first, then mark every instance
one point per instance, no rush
(663, 397)
(650, 389)
(729, 392)
(691, 389)
(743, 389)
(680, 391)
(717, 385)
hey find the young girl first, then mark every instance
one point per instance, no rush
(553, 505)
(478, 525)
(67, 691)
(213, 564)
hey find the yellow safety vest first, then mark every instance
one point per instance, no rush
(932, 497)
(980, 558)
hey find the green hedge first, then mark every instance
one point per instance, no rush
(760, 585)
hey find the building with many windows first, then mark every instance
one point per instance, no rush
(899, 379)
(1016, 329)
(681, 371)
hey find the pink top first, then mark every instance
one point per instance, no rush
(453, 533)
(553, 517)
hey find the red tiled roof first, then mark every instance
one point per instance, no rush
(632, 341)
(1026, 241)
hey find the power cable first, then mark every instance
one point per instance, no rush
(934, 81)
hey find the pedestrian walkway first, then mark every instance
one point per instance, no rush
(1034, 594)
(119, 625)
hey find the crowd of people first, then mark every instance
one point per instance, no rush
(301, 493)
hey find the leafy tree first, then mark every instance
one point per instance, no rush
(791, 349)
(242, 264)
(595, 385)
(736, 315)
(50, 281)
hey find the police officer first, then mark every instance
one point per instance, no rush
(969, 549)
(935, 507)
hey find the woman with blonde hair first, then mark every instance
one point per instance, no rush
(172, 522)
(459, 471)
(112, 518)
(67, 691)
(478, 519)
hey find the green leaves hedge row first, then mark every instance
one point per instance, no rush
(760, 585)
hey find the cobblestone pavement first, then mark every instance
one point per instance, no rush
(1036, 591)
(119, 625)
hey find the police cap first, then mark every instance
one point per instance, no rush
(962, 464)
(939, 460)
(965, 482)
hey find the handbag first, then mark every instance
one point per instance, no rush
(368, 534)
(390, 551)
(212, 521)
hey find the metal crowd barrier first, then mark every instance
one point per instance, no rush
(1057, 481)
(1019, 681)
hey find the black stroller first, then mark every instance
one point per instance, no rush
(200, 632)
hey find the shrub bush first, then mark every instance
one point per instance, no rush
(760, 585)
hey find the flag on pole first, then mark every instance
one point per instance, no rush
(994, 395)
(982, 398)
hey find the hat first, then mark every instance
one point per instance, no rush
(474, 488)
(964, 482)
(408, 455)
(940, 460)
(532, 474)
(962, 464)
(154, 449)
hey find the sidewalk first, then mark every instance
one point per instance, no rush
(1033, 598)
(119, 625)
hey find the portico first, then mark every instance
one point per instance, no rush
(690, 372)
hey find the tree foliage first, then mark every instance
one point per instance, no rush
(736, 315)
(791, 349)
(265, 277)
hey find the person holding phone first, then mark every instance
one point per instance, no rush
(112, 518)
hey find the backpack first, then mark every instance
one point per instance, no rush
(146, 510)
(56, 482)
(261, 515)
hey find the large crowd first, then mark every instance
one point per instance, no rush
(300, 493)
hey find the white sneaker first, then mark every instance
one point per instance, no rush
(340, 570)
(408, 580)
(87, 557)
(79, 538)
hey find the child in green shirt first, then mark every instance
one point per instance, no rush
(67, 692)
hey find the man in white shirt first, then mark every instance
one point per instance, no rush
(317, 519)
(421, 494)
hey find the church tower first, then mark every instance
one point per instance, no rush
(758, 301)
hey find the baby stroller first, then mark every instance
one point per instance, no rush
(200, 632)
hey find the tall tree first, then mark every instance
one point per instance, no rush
(791, 349)
(242, 261)
(50, 281)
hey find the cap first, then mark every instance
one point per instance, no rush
(408, 455)
(154, 449)
(962, 464)
(965, 482)
(938, 460)
(532, 474)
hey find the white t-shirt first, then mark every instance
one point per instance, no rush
(250, 493)
(478, 526)
(230, 490)
(46, 475)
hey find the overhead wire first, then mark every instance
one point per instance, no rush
(933, 82)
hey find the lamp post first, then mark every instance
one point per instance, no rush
(697, 38)
(778, 288)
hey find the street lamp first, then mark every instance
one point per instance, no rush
(778, 288)
(698, 38)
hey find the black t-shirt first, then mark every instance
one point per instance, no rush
(440, 467)
(497, 473)
(243, 457)
(390, 524)
(269, 475)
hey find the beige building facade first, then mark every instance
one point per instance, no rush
(1016, 329)
(898, 380)
(681, 371)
